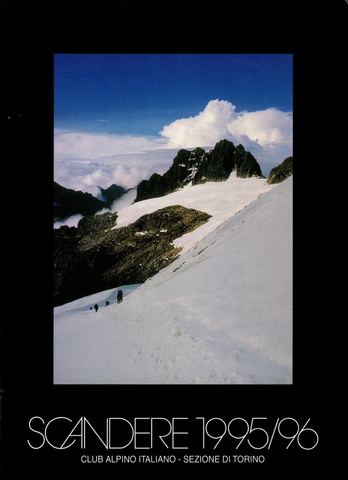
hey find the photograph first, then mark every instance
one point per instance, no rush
(173, 186)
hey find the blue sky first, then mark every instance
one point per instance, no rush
(112, 110)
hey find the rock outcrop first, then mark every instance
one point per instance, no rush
(281, 172)
(96, 256)
(198, 166)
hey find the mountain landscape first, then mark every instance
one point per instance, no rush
(94, 256)
(206, 272)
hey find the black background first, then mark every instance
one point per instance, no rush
(314, 32)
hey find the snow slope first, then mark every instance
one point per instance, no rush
(220, 314)
(219, 199)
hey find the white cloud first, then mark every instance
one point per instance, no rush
(86, 161)
(83, 161)
(266, 127)
(126, 175)
(91, 145)
(220, 120)
(207, 128)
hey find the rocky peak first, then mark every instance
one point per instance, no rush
(216, 165)
(199, 167)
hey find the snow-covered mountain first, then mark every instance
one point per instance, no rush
(221, 313)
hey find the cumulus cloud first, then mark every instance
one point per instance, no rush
(266, 127)
(206, 128)
(220, 120)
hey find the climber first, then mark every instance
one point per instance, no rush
(119, 296)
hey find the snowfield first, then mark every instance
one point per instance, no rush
(221, 313)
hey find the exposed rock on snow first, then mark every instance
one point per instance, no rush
(95, 257)
(281, 172)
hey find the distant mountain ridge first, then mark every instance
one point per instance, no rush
(68, 202)
(198, 167)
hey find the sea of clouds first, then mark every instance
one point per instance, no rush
(83, 161)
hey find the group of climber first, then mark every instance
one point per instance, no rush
(119, 300)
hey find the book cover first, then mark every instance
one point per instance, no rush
(195, 414)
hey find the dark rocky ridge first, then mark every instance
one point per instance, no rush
(112, 193)
(281, 172)
(199, 167)
(95, 257)
(68, 202)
